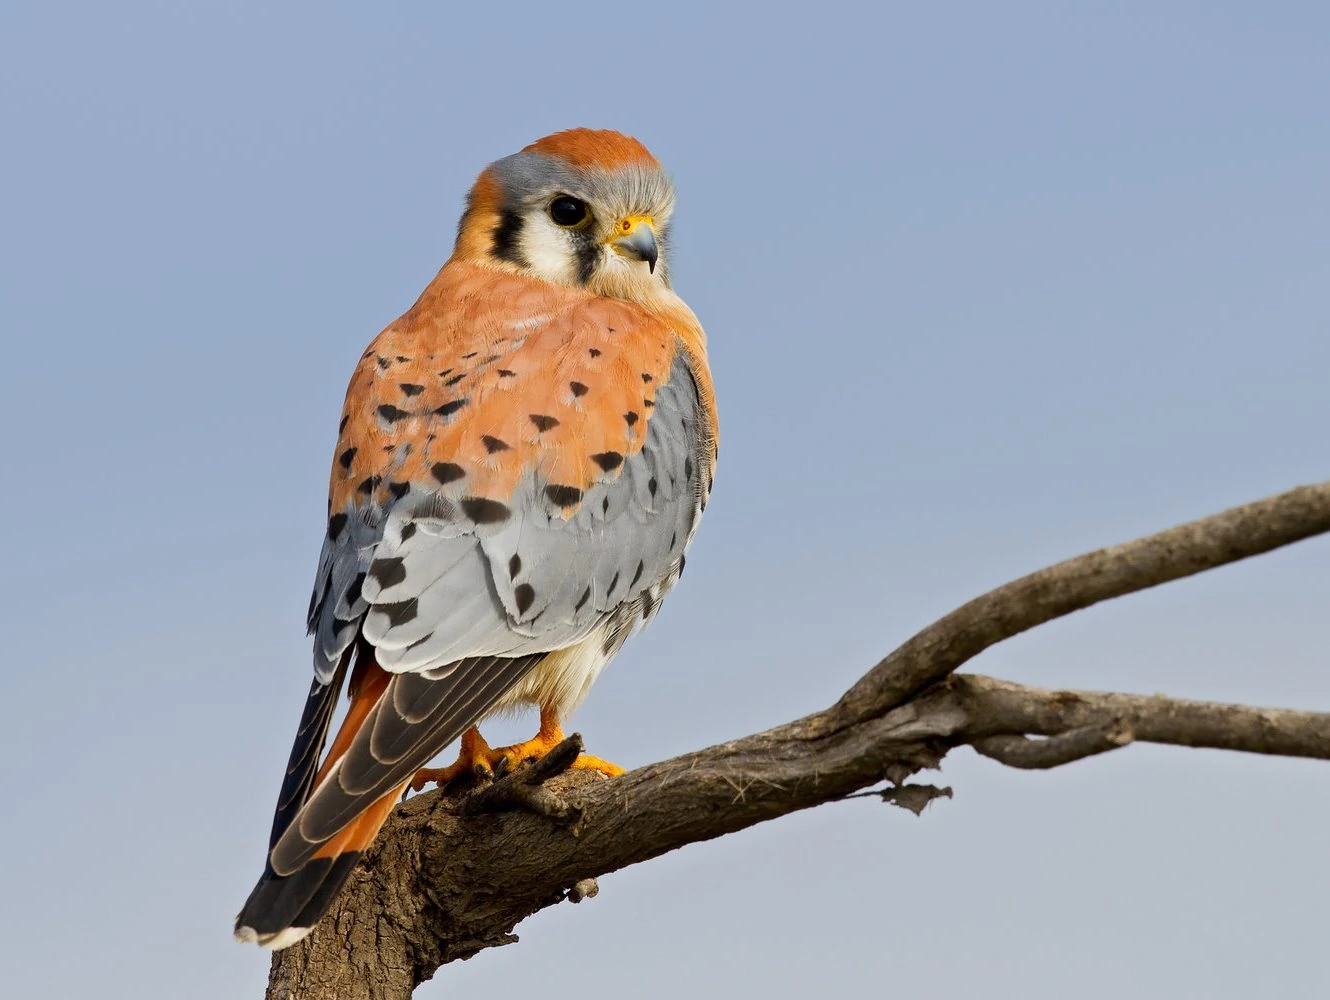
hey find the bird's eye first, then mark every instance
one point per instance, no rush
(568, 211)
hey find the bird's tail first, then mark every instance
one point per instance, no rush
(282, 909)
(329, 813)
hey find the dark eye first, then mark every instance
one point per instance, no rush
(568, 211)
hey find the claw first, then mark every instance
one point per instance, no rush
(472, 761)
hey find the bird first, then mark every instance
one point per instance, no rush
(522, 461)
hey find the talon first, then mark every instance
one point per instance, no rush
(478, 761)
(424, 776)
(472, 761)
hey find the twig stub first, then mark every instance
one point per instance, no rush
(1016, 750)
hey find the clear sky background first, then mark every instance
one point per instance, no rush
(986, 285)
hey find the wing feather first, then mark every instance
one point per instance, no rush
(391, 745)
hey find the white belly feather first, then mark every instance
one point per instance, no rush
(562, 680)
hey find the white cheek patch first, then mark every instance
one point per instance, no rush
(549, 252)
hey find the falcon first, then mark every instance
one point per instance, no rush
(522, 460)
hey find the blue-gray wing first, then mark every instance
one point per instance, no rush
(429, 580)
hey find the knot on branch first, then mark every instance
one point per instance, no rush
(583, 889)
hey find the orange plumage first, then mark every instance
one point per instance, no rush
(499, 373)
(601, 149)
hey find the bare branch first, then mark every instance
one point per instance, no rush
(447, 879)
(1040, 597)
(996, 706)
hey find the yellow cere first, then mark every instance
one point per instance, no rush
(630, 225)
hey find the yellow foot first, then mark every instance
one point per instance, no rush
(586, 762)
(549, 737)
(477, 759)
(551, 734)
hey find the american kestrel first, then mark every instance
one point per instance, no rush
(522, 461)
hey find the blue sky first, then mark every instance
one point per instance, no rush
(986, 286)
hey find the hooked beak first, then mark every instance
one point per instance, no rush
(635, 238)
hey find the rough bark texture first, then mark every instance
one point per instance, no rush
(451, 876)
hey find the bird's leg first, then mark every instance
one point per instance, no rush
(550, 736)
(475, 759)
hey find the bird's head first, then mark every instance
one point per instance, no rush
(585, 207)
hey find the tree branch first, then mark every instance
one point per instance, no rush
(1016, 607)
(448, 878)
(996, 706)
